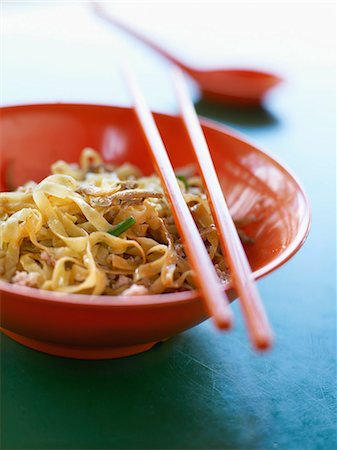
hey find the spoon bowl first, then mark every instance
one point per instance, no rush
(239, 87)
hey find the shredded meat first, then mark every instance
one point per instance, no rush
(136, 289)
(122, 280)
(223, 275)
(128, 184)
(101, 168)
(26, 279)
(134, 195)
(50, 260)
(95, 191)
(91, 189)
(179, 248)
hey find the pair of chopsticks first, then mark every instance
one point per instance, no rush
(207, 280)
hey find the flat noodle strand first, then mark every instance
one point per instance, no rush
(95, 228)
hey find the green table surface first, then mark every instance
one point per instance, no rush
(202, 389)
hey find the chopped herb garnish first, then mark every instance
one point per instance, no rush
(118, 229)
(183, 179)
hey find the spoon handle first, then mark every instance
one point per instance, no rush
(103, 14)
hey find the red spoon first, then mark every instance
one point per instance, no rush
(239, 87)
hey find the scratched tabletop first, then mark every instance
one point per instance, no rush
(201, 389)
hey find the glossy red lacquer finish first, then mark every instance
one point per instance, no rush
(258, 327)
(81, 326)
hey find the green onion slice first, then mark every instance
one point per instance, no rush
(183, 179)
(118, 229)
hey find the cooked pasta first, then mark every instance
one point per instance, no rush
(96, 228)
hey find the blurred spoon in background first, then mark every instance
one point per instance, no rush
(237, 87)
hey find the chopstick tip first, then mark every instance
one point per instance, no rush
(224, 321)
(263, 342)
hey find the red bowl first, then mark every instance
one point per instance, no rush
(83, 326)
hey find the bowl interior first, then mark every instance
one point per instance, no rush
(256, 187)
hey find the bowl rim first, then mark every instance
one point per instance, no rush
(157, 300)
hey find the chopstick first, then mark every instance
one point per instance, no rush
(206, 278)
(257, 323)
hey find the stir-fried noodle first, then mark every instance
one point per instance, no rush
(95, 228)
